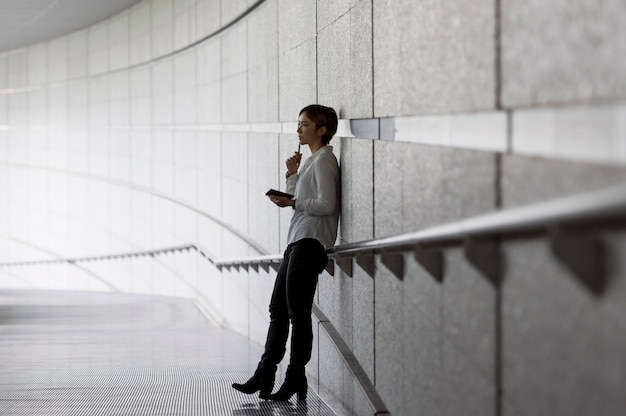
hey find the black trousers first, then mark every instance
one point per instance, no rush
(292, 301)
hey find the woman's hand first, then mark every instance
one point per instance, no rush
(293, 163)
(282, 201)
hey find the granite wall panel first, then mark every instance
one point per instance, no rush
(433, 57)
(564, 52)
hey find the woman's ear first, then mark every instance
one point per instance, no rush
(321, 131)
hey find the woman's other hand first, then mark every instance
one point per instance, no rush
(282, 201)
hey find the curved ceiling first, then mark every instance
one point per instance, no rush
(25, 22)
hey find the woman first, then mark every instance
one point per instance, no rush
(313, 228)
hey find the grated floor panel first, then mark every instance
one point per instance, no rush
(110, 354)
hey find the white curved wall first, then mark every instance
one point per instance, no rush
(119, 138)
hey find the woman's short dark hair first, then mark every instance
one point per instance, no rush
(322, 116)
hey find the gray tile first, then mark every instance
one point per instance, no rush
(465, 390)
(363, 320)
(388, 183)
(335, 381)
(410, 37)
(263, 64)
(335, 294)
(562, 52)
(297, 79)
(469, 305)
(563, 346)
(527, 180)
(389, 340)
(344, 63)
(297, 22)
(422, 357)
(328, 11)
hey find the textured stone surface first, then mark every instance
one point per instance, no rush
(335, 299)
(98, 48)
(337, 387)
(162, 89)
(297, 80)
(442, 184)
(562, 52)
(185, 88)
(389, 340)
(357, 175)
(297, 23)
(118, 44)
(361, 61)
(208, 75)
(139, 33)
(263, 64)
(328, 11)
(207, 19)
(58, 68)
(388, 187)
(37, 70)
(234, 197)
(464, 390)
(184, 23)
(233, 63)
(422, 383)
(344, 63)
(161, 27)
(231, 9)
(17, 68)
(468, 305)
(263, 215)
(363, 320)
(527, 180)
(423, 291)
(437, 185)
(433, 57)
(575, 363)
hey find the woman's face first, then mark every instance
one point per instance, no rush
(308, 131)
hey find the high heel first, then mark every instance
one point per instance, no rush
(262, 380)
(295, 382)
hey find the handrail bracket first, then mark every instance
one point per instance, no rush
(431, 260)
(367, 261)
(394, 261)
(487, 257)
(584, 254)
(345, 264)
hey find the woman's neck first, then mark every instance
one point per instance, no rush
(314, 147)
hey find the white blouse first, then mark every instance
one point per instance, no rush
(316, 189)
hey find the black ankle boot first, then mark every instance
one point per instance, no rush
(262, 380)
(295, 382)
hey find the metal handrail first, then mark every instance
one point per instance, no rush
(604, 204)
(154, 252)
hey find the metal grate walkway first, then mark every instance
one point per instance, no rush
(110, 354)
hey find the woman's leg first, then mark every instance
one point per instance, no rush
(263, 377)
(305, 264)
(307, 260)
(278, 330)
